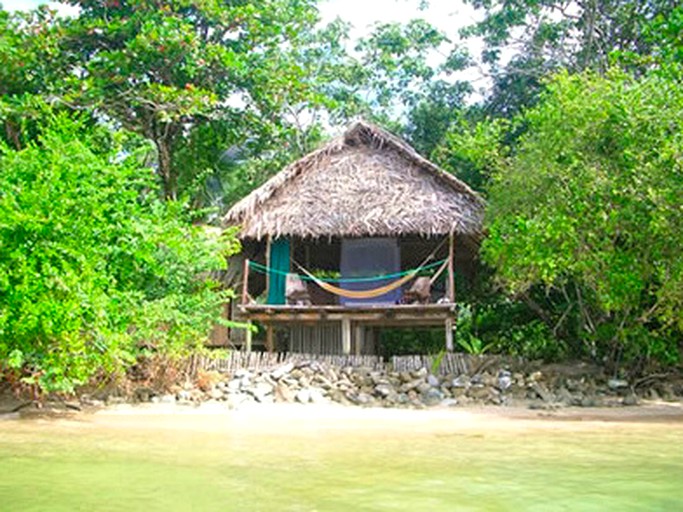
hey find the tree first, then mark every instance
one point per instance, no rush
(93, 266)
(588, 207)
(164, 70)
(31, 65)
(537, 37)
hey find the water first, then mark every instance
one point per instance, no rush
(306, 459)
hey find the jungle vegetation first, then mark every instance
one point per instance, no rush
(130, 127)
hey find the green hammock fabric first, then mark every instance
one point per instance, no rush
(279, 262)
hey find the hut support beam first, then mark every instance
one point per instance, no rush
(270, 339)
(346, 336)
(247, 338)
(245, 281)
(450, 289)
(360, 338)
(449, 335)
(268, 243)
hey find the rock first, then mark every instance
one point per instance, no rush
(93, 402)
(166, 399)
(316, 396)
(588, 401)
(630, 400)
(519, 379)
(462, 381)
(667, 392)
(280, 372)
(324, 382)
(405, 377)
(420, 374)
(504, 380)
(432, 397)
(615, 384)
(384, 390)
(564, 396)
(542, 392)
(215, 394)
(235, 400)
(464, 400)
(409, 386)
(432, 380)
(479, 393)
(489, 380)
(423, 388)
(143, 394)
(303, 396)
(535, 377)
(260, 391)
(477, 380)
(362, 399)
(448, 402)
(284, 393)
(234, 385)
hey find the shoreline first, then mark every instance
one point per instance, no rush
(299, 419)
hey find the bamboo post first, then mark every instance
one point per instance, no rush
(450, 290)
(245, 281)
(450, 286)
(449, 334)
(268, 242)
(346, 336)
(270, 342)
(360, 334)
(247, 339)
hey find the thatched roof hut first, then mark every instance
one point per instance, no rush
(366, 183)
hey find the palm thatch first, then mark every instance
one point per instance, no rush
(367, 182)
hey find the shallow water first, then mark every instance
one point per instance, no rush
(294, 460)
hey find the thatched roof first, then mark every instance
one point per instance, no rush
(367, 182)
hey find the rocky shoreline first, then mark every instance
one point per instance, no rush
(316, 383)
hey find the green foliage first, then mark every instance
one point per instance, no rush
(195, 77)
(397, 342)
(465, 335)
(588, 206)
(93, 267)
(539, 37)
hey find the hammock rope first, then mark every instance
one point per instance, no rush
(305, 277)
(361, 294)
(324, 283)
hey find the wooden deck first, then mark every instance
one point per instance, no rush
(385, 315)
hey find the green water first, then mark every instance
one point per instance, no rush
(295, 461)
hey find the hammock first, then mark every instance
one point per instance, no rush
(361, 294)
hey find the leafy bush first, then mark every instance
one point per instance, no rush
(588, 207)
(93, 267)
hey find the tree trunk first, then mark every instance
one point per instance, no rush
(168, 179)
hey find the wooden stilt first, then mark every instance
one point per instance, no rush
(346, 336)
(270, 339)
(247, 339)
(268, 243)
(245, 281)
(360, 338)
(449, 335)
(450, 285)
